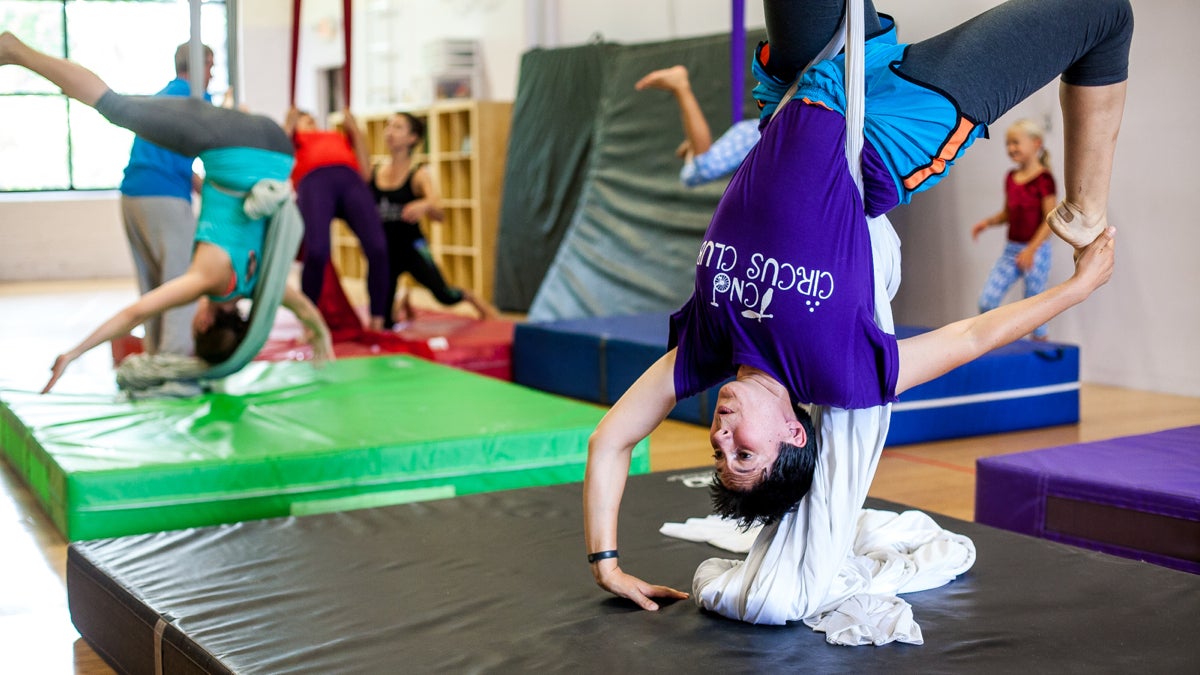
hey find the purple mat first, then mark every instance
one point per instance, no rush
(1136, 497)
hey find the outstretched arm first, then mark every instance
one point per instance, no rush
(638, 412)
(929, 355)
(178, 291)
(992, 220)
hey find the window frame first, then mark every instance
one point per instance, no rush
(219, 45)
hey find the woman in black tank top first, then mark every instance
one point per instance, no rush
(404, 194)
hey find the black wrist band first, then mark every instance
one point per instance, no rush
(601, 555)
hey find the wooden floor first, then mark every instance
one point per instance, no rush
(39, 320)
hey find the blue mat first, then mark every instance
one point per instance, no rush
(598, 358)
(1025, 385)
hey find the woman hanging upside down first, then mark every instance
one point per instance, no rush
(795, 273)
(238, 150)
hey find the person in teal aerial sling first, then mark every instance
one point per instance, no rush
(240, 151)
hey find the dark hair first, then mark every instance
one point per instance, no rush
(785, 485)
(416, 125)
(183, 54)
(217, 343)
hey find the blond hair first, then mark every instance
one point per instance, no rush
(1034, 130)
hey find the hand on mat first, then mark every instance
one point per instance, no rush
(1094, 263)
(628, 586)
(56, 371)
(322, 345)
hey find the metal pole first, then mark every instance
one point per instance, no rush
(232, 49)
(737, 56)
(196, 53)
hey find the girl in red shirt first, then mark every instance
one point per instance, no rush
(1029, 196)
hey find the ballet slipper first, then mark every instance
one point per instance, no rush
(1074, 226)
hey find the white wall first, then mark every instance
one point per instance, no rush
(1140, 330)
(62, 236)
(1137, 332)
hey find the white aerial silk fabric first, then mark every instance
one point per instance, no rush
(829, 562)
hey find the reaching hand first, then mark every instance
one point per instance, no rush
(1094, 263)
(628, 586)
(56, 371)
(979, 227)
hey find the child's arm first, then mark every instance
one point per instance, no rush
(991, 221)
(1026, 256)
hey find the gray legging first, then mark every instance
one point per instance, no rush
(988, 64)
(190, 126)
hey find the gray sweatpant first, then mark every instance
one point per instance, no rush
(161, 231)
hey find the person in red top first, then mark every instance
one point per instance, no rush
(330, 169)
(1029, 196)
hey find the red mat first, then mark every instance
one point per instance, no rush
(481, 346)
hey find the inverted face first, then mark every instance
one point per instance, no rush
(1022, 148)
(206, 312)
(749, 424)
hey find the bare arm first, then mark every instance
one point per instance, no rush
(926, 356)
(992, 220)
(638, 412)
(429, 204)
(289, 120)
(316, 330)
(358, 141)
(178, 291)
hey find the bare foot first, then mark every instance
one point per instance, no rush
(674, 78)
(8, 48)
(1074, 226)
(401, 310)
(485, 310)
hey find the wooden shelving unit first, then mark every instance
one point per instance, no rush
(466, 146)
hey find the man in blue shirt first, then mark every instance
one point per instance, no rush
(156, 204)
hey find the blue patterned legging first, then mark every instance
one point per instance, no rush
(1005, 273)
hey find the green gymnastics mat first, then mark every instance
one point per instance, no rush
(285, 438)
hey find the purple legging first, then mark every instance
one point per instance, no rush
(339, 192)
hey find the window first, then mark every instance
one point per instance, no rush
(49, 142)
